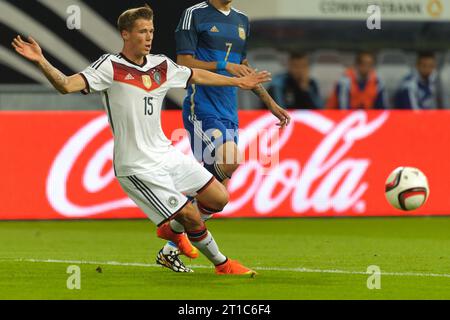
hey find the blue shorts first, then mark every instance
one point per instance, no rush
(207, 134)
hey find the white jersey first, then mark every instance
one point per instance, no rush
(133, 96)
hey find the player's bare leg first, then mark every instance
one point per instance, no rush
(189, 218)
(213, 198)
(208, 203)
(228, 159)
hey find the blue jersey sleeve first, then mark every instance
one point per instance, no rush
(186, 34)
(244, 52)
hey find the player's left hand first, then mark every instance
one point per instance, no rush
(254, 79)
(30, 50)
(239, 70)
(281, 114)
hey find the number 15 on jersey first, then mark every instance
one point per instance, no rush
(148, 106)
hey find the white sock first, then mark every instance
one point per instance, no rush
(205, 217)
(178, 227)
(209, 248)
(169, 248)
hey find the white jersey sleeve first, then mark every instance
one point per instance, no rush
(99, 75)
(178, 76)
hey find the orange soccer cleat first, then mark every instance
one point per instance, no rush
(180, 239)
(234, 267)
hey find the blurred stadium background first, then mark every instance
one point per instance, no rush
(331, 32)
(56, 156)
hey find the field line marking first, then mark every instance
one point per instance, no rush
(299, 269)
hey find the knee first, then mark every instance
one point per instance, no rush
(229, 157)
(190, 218)
(230, 168)
(222, 200)
(215, 204)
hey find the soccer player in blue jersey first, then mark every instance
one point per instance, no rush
(212, 35)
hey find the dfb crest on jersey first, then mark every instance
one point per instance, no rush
(157, 77)
(172, 202)
(216, 134)
(147, 81)
(242, 33)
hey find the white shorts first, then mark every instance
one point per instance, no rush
(161, 193)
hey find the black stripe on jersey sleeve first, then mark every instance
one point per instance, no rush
(97, 61)
(100, 63)
(170, 60)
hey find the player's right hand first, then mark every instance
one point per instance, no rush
(254, 79)
(238, 70)
(30, 50)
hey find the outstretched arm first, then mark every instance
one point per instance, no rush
(268, 101)
(207, 78)
(235, 69)
(33, 52)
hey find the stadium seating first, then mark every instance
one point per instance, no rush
(326, 67)
(445, 78)
(393, 66)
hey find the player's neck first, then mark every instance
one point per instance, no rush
(220, 6)
(129, 55)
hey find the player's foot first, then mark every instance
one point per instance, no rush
(234, 267)
(180, 239)
(172, 261)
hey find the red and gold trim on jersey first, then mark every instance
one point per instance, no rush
(146, 80)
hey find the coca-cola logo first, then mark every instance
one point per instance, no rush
(326, 164)
(306, 185)
(92, 180)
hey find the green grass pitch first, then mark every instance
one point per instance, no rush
(295, 259)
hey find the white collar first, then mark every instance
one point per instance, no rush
(225, 12)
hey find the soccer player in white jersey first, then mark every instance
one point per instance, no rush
(155, 175)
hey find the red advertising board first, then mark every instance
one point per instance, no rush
(57, 165)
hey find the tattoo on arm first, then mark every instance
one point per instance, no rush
(56, 77)
(262, 93)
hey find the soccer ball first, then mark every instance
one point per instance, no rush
(407, 188)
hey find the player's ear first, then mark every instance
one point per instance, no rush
(125, 35)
